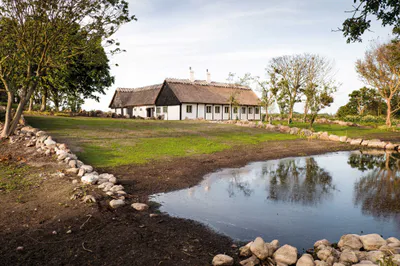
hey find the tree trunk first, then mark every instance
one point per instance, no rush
(56, 104)
(389, 112)
(44, 101)
(30, 104)
(266, 113)
(305, 112)
(290, 116)
(10, 98)
(312, 120)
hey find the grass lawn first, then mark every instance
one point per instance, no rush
(351, 132)
(105, 142)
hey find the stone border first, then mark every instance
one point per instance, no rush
(351, 249)
(372, 143)
(45, 145)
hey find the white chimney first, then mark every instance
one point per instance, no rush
(208, 77)
(191, 74)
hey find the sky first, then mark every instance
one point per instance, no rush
(232, 36)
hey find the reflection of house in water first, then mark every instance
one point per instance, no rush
(378, 191)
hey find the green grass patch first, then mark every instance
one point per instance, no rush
(14, 177)
(106, 142)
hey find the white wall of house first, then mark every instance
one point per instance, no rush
(173, 113)
(141, 110)
(189, 111)
(202, 110)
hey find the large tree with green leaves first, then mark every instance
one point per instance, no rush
(380, 69)
(289, 72)
(385, 11)
(37, 36)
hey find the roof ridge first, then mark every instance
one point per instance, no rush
(149, 87)
(205, 83)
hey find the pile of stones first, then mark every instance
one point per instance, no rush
(365, 250)
(85, 174)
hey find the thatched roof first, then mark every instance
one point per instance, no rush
(186, 91)
(124, 97)
(201, 91)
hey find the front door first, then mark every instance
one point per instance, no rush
(150, 112)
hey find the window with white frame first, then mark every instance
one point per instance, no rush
(250, 110)
(257, 110)
(226, 110)
(243, 110)
(158, 110)
(165, 109)
(188, 109)
(217, 109)
(134, 109)
(140, 109)
(235, 110)
(208, 110)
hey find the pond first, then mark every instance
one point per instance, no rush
(297, 200)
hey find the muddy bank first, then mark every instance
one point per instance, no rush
(52, 229)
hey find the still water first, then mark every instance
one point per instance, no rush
(297, 200)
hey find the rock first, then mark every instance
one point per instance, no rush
(245, 250)
(274, 244)
(286, 254)
(372, 241)
(89, 179)
(222, 260)
(140, 206)
(75, 181)
(62, 146)
(390, 146)
(116, 203)
(102, 181)
(396, 259)
(324, 136)
(41, 134)
(338, 264)
(112, 179)
(116, 188)
(375, 256)
(343, 139)
(89, 199)
(321, 263)
(20, 248)
(284, 129)
(306, 260)
(324, 254)
(334, 138)
(356, 142)
(260, 249)
(322, 242)
(306, 132)
(50, 143)
(87, 168)
(392, 240)
(29, 129)
(252, 261)
(331, 260)
(348, 256)
(294, 131)
(81, 172)
(72, 164)
(73, 171)
(62, 155)
(350, 241)
(107, 187)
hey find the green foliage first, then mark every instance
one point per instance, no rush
(386, 11)
(111, 142)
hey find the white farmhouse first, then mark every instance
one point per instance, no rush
(179, 99)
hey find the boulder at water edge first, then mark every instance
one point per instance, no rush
(286, 255)
(372, 241)
(222, 260)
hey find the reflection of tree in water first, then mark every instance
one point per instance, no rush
(236, 185)
(307, 185)
(378, 192)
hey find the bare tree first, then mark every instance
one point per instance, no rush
(380, 69)
(267, 90)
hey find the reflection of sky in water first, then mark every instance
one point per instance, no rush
(296, 200)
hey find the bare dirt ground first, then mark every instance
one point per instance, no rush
(55, 230)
